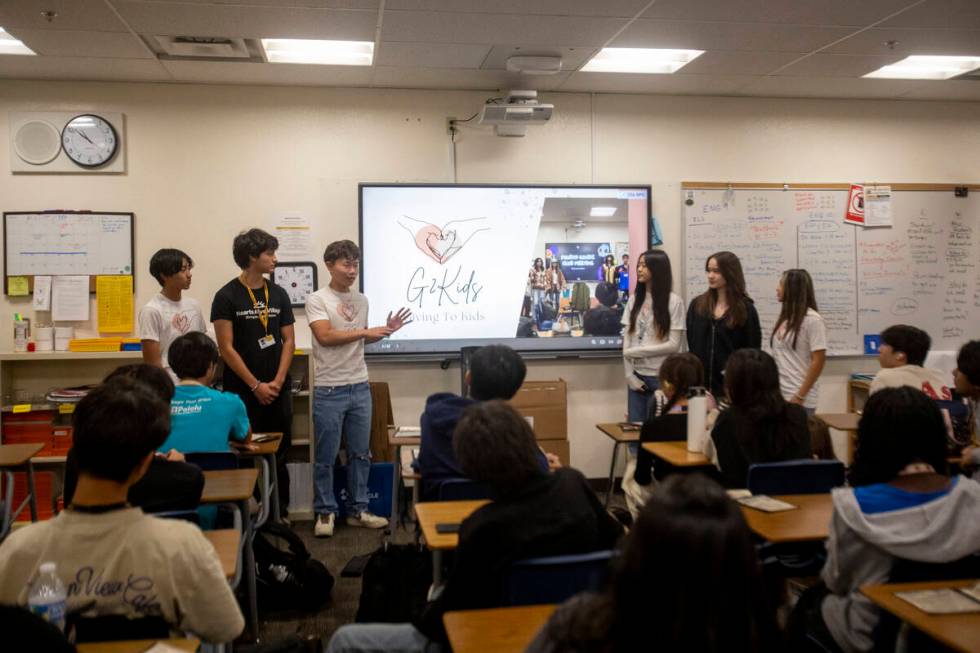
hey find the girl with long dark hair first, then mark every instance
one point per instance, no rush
(688, 579)
(799, 340)
(759, 426)
(722, 319)
(539, 284)
(607, 272)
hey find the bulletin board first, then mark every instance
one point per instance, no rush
(67, 243)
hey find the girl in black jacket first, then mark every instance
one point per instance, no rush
(722, 319)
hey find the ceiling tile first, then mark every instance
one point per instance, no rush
(911, 41)
(951, 89)
(431, 55)
(727, 36)
(248, 22)
(371, 5)
(92, 15)
(838, 65)
(490, 29)
(92, 69)
(66, 43)
(443, 78)
(611, 8)
(212, 72)
(676, 84)
(821, 12)
(828, 87)
(730, 62)
(571, 58)
(940, 13)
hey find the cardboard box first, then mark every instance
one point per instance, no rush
(545, 405)
(558, 447)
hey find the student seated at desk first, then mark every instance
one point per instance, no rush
(759, 426)
(496, 372)
(534, 514)
(202, 418)
(113, 559)
(966, 378)
(688, 579)
(901, 505)
(605, 319)
(169, 483)
(901, 354)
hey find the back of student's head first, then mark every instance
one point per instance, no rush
(606, 293)
(167, 263)
(710, 595)
(252, 244)
(494, 445)
(899, 426)
(192, 355)
(909, 340)
(752, 385)
(496, 372)
(154, 377)
(116, 425)
(968, 362)
(682, 371)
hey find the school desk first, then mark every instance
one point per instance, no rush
(138, 646)
(235, 486)
(960, 632)
(267, 451)
(847, 422)
(496, 630)
(808, 522)
(675, 452)
(396, 443)
(17, 457)
(430, 513)
(226, 543)
(619, 438)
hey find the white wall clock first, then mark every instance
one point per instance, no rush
(89, 140)
(298, 278)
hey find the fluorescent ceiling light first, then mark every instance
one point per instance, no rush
(335, 53)
(927, 67)
(10, 45)
(603, 211)
(640, 60)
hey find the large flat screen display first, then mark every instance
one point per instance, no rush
(540, 268)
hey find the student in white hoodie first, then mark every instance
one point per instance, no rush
(902, 505)
(902, 354)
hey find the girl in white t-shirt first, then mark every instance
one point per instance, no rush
(799, 340)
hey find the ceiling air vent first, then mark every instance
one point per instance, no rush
(204, 48)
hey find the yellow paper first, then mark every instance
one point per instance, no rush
(22, 408)
(114, 296)
(17, 287)
(66, 409)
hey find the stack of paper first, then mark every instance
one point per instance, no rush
(95, 344)
(68, 395)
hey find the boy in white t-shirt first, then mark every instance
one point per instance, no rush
(902, 352)
(338, 317)
(169, 315)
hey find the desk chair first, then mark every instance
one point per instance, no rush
(462, 489)
(211, 461)
(805, 476)
(555, 578)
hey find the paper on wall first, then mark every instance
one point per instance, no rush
(69, 298)
(878, 206)
(42, 293)
(114, 297)
(295, 238)
(17, 287)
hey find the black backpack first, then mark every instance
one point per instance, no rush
(287, 576)
(395, 584)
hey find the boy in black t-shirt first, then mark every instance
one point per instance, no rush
(253, 321)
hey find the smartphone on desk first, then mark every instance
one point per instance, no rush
(447, 529)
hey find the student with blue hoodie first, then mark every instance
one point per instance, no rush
(902, 505)
(496, 372)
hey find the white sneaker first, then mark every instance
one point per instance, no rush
(324, 525)
(367, 520)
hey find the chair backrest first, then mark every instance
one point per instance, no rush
(213, 460)
(556, 578)
(462, 489)
(804, 476)
(185, 515)
(114, 628)
(666, 428)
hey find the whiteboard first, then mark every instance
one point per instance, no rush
(921, 271)
(66, 243)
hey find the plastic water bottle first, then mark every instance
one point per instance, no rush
(697, 417)
(48, 596)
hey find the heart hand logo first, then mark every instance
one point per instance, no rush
(180, 323)
(347, 310)
(442, 243)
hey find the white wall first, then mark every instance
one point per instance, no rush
(205, 162)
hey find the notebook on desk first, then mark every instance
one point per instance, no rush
(948, 600)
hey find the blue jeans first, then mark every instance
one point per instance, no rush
(346, 410)
(381, 638)
(638, 403)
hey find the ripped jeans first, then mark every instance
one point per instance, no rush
(346, 410)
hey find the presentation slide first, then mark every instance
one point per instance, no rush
(518, 265)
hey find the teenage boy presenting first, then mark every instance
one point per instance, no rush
(338, 317)
(168, 315)
(253, 321)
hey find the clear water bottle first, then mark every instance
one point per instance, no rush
(48, 596)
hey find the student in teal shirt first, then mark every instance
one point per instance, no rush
(202, 418)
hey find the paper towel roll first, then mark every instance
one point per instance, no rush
(44, 338)
(62, 335)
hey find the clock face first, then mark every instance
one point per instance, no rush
(297, 279)
(89, 140)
